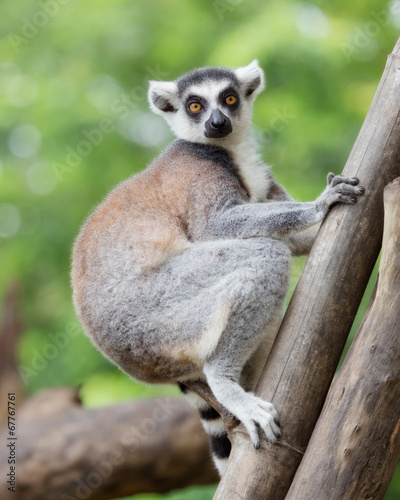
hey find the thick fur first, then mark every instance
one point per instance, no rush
(182, 271)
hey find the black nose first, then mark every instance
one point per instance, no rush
(217, 119)
(218, 125)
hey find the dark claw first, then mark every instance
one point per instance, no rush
(354, 180)
(353, 199)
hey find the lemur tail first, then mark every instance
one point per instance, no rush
(214, 427)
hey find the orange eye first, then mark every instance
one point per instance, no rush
(195, 107)
(231, 99)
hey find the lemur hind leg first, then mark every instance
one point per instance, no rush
(256, 308)
(211, 419)
(252, 370)
(246, 277)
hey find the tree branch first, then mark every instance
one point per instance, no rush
(355, 446)
(65, 451)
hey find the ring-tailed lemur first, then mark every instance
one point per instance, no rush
(181, 272)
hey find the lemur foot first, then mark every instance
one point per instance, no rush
(258, 414)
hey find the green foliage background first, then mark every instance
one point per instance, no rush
(69, 69)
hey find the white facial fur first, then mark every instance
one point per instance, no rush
(184, 127)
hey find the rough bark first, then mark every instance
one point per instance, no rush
(315, 328)
(355, 446)
(68, 452)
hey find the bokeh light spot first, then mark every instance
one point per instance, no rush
(25, 141)
(145, 129)
(102, 90)
(311, 21)
(10, 220)
(41, 178)
(21, 90)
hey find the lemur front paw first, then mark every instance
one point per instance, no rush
(259, 414)
(342, 189)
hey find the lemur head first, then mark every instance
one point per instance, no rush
(209, 105)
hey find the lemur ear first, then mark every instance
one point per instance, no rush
(251, 78)
(163, 97)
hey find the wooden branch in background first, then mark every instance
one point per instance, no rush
(67, 452)
(305, 355)
(355, 446)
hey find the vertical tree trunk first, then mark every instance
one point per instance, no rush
(314, 331)
(355, 447)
